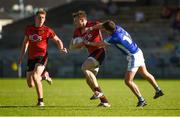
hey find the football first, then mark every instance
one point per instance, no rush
(77, 40)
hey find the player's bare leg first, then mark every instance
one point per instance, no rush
(95, 71)
(129, 76)
(87, 67)
(30, 80)
(89, 82)
(37, 80)
(149, 77)
(90, 77)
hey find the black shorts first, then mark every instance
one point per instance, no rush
(99, 55)
(40, 60)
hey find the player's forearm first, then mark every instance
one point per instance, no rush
(59, 44)
(24, 49)
(96, 43)
(97, 26)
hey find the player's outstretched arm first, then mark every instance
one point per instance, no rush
(23, 49)
(95, 27)
(101, 43)
(59, 44)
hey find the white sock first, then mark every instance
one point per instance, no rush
(158, 89)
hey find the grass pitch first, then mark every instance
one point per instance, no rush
(70, 97)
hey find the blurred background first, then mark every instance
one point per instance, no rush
(153, 24)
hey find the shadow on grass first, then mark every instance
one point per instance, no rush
(50, 107)
(161, 109)
(72, 107)
(14, 106)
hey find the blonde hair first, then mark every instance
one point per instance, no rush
(40, 11)
(79, 13)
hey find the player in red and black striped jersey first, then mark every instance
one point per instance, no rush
(96, 56)
(36, 43)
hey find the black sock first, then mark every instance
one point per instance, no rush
(103, 99)
(40, 99)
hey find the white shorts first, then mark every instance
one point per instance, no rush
(135, 61)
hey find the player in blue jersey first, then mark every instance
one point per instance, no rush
(122, 40)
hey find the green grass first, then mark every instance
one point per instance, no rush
(71, 97)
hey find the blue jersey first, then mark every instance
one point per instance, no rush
(122, 40)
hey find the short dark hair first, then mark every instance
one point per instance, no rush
(40, 11)
(109, 25)
(79, 13)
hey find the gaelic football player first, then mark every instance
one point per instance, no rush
(122, 40)
(36, 42)
(96, 55)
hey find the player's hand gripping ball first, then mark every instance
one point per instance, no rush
(77, 40)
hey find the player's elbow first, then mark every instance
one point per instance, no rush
(58, 41)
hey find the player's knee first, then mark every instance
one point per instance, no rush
(95, 71)
(36, 77)
(146, 75)
(127, 82)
